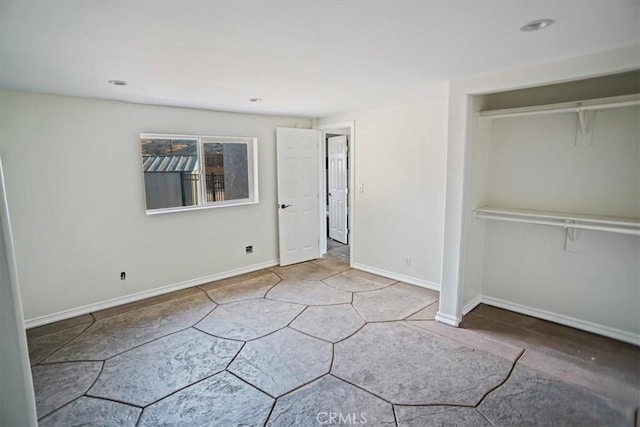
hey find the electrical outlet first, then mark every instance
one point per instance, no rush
(123, 275)
(248, 249)
(407, 261)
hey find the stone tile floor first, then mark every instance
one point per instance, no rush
(319, 343)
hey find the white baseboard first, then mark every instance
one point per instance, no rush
(573, 322)
(447, 319)
(395, 276)
(67, 314)
(471, 304)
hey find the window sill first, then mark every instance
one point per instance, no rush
(198, 208)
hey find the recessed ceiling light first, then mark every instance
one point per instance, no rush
(255, 99)
(117, 82)
(538, 24)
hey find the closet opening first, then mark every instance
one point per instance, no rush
(552, 190)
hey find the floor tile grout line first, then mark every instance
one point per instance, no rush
(182, 388)
(206, 315)
(95, 380)
(395, 416)
(266, 335)
(309, 335)
(60, 347)
(308, 305)
(349, 336)
(70, 361)
(333, 374)
(124, 351)
(358, 311)
(484, 416)
(73, 400)
(148, 305)
(251, 385)
(68, 343)
(243, 299)
(430, 405)
(513, 367)
(333, 356)
(207, 295)
(57, 409)
(273, 406)
(226, 368)
(416, 312)
(217, 336)
(148, 342)
(43, 362)
(139, 418)
(110, 399)
(272, 286)
(298, 315)
(293, 390)
(381, 287)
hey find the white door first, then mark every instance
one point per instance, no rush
(338, 188)
(298, 195)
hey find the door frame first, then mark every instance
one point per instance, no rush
(325, 129)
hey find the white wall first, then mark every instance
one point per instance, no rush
(400, 161)
(75, 192)
(17, 402)
(458, 199)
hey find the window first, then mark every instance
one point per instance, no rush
(183, 172)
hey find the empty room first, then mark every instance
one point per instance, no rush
(324, 212)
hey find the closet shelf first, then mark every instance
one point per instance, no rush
(610, 224)
(566, 107)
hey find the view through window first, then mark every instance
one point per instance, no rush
(186, 172)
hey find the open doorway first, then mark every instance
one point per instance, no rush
(337, 148)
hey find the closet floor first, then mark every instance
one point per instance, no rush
(320, 343)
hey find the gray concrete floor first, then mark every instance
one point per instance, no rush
(319, 343)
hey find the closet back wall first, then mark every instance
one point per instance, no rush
(75, 193)
(533, 163)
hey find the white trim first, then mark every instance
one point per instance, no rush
(447, 319)
(400, 277)
(573, 322)
(471, 305)
(67, 314)
(351, 125)
(28, 398)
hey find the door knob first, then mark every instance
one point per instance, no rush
(283, 206)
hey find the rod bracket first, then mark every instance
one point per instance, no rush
(584, 131)
(571, 236)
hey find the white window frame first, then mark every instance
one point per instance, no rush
(252, 169)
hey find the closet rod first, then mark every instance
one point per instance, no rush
(533, 111)
(619, 230)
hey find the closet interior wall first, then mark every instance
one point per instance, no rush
(533, 163)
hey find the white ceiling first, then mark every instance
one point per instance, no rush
(304, 58)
